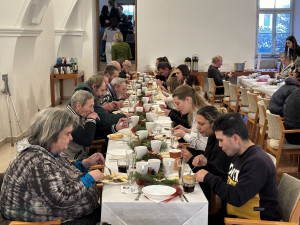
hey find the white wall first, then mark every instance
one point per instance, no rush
(29, 58)
(297, 21)
(177, 29)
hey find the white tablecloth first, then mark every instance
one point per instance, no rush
(119, 208)
(262, 87)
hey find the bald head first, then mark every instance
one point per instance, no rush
(127, 65)
(116, 64)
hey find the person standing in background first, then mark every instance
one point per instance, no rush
(123, 23)
(120, 49)
(114, 12)
(292, 49)
(109, 37)
(104, 22)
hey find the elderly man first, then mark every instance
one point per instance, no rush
(288, 64)
(109, 123)
(82, 109)
(127, 67)
(249, 187)
(116, 90)
(215, 73)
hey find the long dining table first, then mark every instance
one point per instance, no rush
(119, 208)
(262, 87)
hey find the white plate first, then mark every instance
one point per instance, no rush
(117, 153)
(115, 183)
(158, 192)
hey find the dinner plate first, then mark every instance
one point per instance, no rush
(117, 153)
(123, 179)
(158, 192)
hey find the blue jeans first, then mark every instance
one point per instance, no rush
(103, 42)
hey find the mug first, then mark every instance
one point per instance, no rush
(139, 109)
(138, 91)
(168, 164)
(150, 126)
(154, 164)
(55, 71)
(147, 107)
(150, 117)
(134, 120)
(155, 145)
(145, 99)
(140, 151)
(142, 167)
(142, 134)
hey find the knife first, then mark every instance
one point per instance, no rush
(184, 197)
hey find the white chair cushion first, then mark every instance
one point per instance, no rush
(244, 109)
(273, 143)
(226, 99)
(251, 115)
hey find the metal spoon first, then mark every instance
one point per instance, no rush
(109, 170)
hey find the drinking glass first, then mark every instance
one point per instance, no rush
(180, 166)
(130, 157)
(157, 129)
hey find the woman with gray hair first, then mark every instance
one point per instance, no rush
(40, 184)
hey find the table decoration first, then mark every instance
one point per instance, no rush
(146, 142)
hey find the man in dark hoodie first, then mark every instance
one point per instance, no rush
(279, 97)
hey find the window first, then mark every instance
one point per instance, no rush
(274, 25)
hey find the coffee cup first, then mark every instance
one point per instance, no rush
(55, 71)
(142, 167)
(150, 126)
(155, 145)
(138, 86)
(142, 134)
(134, 120)
(150, 117)
(147, 107)
(133, 97)
(188, 183)
(145, 99)
(139, 109)
(168, 164)
(140, 151)
(154, 164)
(138, 91)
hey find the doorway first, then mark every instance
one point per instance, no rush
(129, 9)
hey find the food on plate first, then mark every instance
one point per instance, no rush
(162, 136)
(115, 136)
(114, 178)
(157, 98)
(165, 154)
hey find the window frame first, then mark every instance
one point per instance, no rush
(274, 12)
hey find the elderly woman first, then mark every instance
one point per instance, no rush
(40, 184)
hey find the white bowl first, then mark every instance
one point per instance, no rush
(158, 192)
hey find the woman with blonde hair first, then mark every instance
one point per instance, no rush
(189, 100)
(120, 49)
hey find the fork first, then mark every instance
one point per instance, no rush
(139, 194)
(109, 170)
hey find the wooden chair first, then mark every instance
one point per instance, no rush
(212, 91)
(54, 222)
(244, 105)
(262, 122)
(252, 114)
(226, 98)
(98, 146)
(288, 204)
(276, 142)
(234, 98)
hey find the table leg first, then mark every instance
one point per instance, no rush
(61, 90)
(52, 92)
(75, 82)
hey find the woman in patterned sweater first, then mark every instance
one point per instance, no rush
(40, 184)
